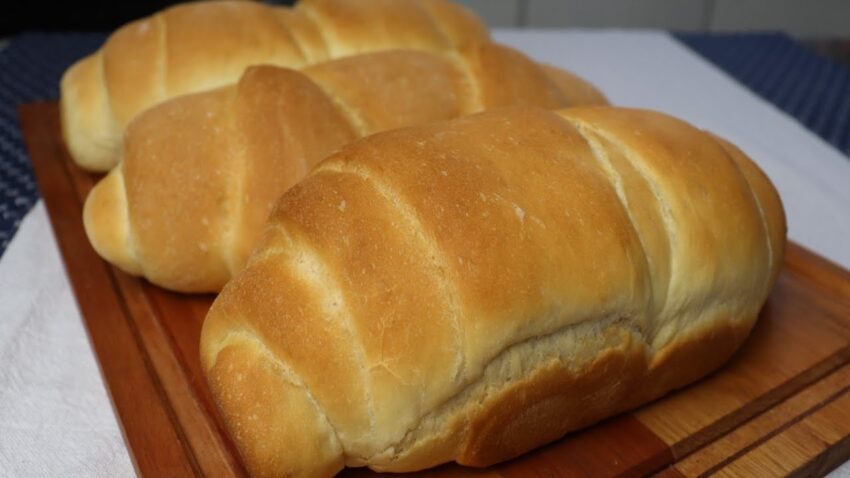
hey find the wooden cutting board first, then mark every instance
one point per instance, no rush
(780, 406)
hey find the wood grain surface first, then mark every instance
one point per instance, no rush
(781, 406)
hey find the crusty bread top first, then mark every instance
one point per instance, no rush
(422, 279)
(201, 172)
(198, 46)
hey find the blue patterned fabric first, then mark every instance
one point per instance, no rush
(806, 86)
(30, 68)
(812, 89)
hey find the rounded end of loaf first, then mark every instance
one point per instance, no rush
(769, 203)
(87, 128)
(576, 90)
(107, 224)
(273, 420)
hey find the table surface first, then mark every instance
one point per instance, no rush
(55, 402)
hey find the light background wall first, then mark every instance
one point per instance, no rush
(803, 18)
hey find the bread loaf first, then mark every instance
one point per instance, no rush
(200, 173)
(472, 289)
(199, 46)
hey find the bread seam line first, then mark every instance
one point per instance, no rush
(437, 257)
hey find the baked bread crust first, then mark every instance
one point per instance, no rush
(199, 46)
(472, 289)
(200, 173)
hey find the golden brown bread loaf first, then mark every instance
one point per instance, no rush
(472, 289)
(203, 45)
(200, 173)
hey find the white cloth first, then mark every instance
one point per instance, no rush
(55, 417)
